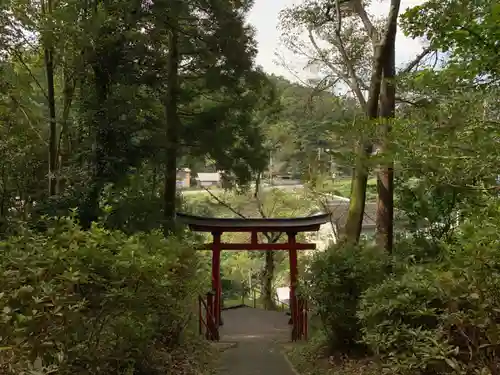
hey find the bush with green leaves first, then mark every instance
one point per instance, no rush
(98, 302)
(418, 249)
(442, 318)
(335, 282)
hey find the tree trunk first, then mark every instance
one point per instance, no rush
(383, 55)
(4, 200)
(385, 178)
(267, 281)
(172, 129)
(51, 98)
(64, 142)
(354, 223)
(268, 271)
(103, 136)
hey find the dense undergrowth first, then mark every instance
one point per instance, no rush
(433, 307)
(99, 302)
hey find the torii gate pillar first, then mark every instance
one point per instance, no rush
(216, 279)
(292, 255)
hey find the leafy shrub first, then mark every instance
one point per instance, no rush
(307, 357)
(97, 302)
(335, 282)
(310, 359)
(439, 319)
(417, 249)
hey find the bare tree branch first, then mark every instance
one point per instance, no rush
(350, 79)
(347, 61)
(260, 208)
(414, 63)
(333, 223)
(435, 61)
(20, 58)
(271, 237)
(28, 119)
(325, 59)
(367, 23)
(318, 89)
(417, 103)
(294, 74)
(225, 204)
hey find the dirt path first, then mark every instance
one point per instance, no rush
(256, 334)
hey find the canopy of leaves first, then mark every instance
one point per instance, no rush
(468, 30)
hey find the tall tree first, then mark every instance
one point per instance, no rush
(210, 88)
(113, 102)
(385, 178)
(47, 9)
(172, 118)
(346, 60)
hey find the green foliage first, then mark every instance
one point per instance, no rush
(448, 163)
(304, 355)
(437, 312)
(417, 248)
(309, 359)
(342, 187)
(467, 29)
(440, 318)
(110, 73)
(310, 118)
(335, 282)
(135, 205)
(98, 302)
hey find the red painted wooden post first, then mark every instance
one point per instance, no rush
(299, 318)
(210, 317)
(293, 282)
(306, 320)
(253, 238)
(216, 282)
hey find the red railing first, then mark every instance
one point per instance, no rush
(256, 293)
(303, 318)
(206, 311)
(300, 321)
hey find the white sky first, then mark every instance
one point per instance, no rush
(265, 18)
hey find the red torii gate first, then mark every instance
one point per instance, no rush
(292, 226)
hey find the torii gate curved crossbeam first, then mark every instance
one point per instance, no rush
(292, 226)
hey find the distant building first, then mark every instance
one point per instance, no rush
(338, 207)
(329, 233)
(208, 179)
(184, 178)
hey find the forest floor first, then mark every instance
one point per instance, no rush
(257, 337)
